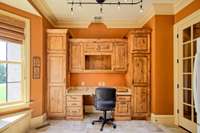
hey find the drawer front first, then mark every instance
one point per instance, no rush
(74, 98)
(124, 98)
(74, 104)
(123, 108)
(90, 48)
(105, 47)
(74, 111)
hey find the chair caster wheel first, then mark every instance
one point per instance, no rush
(100, 118)
(114, 126)
(92, 123)
(101, 130)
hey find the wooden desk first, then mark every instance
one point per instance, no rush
(75, 107)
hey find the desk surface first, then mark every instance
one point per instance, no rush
(91, 91)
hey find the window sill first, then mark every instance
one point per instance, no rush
(9, 120)
(12, 107)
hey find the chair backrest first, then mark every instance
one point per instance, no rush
(105, 94)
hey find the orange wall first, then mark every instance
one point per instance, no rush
(194, 6)
(162, 63)
(91, 79)
(38, 25)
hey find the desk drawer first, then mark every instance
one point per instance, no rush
(74, 111)
(124, 98)
(74, 103)
(74, 98)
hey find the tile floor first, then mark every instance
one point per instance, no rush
(85, 126)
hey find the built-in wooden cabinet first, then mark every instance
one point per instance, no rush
(76, 57)
(120, 56)
(138, 75)
(74, 107)
(98, 55)
(56, 72)
(123, 107)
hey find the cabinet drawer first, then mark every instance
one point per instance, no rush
(89, 48)
(123, 108)
(123, 98)
(74, 104)
(74, 111)
(105, 47)
(74, 98)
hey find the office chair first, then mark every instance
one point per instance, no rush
(105, 99)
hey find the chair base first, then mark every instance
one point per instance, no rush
(104, 121)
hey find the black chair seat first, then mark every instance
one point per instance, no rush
(105, 105)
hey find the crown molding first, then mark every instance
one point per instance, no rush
(180, 4)
(160, 7)
(44, 9)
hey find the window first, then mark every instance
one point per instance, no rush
(11, 74)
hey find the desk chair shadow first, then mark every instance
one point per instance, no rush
(105, 99)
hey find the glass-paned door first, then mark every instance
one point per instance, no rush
(189, 32)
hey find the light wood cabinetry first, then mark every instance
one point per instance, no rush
(56, 72)
(140, 41)
(123, 108)
(74, 107)
(76, 57)
(120, 57)
(138, 75)
(98, 55)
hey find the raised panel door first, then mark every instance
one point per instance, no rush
(141, 69)
(76, 58)
(56, 42)
(56, 85)
(141, 101)
(120, 57)
(122, 108)
(56, 98)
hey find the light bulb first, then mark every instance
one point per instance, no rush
(72, 11)
(141, 9)
(80, 5)
(118, 6)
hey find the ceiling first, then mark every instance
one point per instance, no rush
(21, 4)
(128, 15)
(58, 12)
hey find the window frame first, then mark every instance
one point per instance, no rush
(25, 64)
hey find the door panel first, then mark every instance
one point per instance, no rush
(76, 57)
(141, 69)
(187, 49)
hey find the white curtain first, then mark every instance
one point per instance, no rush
(196, 84)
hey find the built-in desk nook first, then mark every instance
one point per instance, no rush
(75, 66)
(75, 103)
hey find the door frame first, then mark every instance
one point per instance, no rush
(177, 27)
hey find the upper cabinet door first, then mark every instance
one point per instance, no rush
(139, 41)
(141, 69)
(120, 57)
(76, 57)
(56, 40)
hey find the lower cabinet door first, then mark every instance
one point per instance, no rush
(56, 100)
(141, 101)
(122, 109)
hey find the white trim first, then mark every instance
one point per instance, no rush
(164, 119)
(180, 4)
(26, 62)
(38, 121)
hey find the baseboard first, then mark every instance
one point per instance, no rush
(38, 121)
(164, 119)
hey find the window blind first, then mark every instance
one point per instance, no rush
(11, 29)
